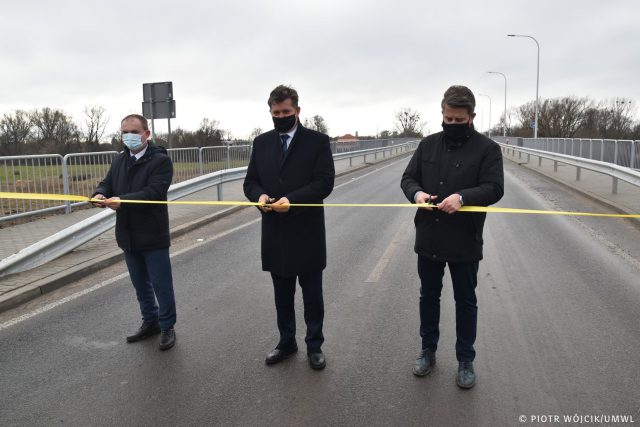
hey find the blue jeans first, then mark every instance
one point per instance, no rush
(464, 276)
(150, 273)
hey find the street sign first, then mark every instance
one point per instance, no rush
(157, 92)
(533, 125)
(158, 103)
(161, 110)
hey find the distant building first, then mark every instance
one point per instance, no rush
(347, 138)
(347, 142)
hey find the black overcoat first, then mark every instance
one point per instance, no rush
(439, 167)
(293, 243)
(140, 227)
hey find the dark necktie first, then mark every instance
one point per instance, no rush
(284, 137)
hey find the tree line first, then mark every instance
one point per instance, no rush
(574, 117)
(52, 131)
(48, 130)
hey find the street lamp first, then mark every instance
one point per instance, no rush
(504, 122)
(482, 94)
(535, 128)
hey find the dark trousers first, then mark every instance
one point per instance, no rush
(150, 273)
(464, 276)
(284, 291)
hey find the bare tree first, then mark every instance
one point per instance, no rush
(317, 123)
(255, 132)
(55, 131)
(569, 117)
(209, 133)
(15, 130)
(562, 117)
(407, 123)
(95, 122)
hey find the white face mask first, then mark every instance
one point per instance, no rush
(133, 141)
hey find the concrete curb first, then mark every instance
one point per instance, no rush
(50, 283)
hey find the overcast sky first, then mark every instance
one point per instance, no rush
(354, 62)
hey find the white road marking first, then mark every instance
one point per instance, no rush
(398, 238)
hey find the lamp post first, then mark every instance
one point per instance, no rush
(482, 94)
(504, 120)
(535, 128)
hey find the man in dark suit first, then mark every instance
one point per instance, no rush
(451, 168)
(292, 164)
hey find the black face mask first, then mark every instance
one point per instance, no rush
(284, 124)
(456, 131)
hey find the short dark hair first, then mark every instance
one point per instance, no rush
(459, 97)
(282, 93)
(141, 119)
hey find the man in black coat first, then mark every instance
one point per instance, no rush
(143, 171)
(292, 164)
(449, 169)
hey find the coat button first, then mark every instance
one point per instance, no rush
(280, 180)
(433, 256)
(437, 219)
(441, 182)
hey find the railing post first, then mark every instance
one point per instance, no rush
(633, 155)
(578, 169)
(615, 152)
(65, 185)
(201, 161)
(555, 166)
(539, 160)
(614, 186)
(580, 142)
(219, 188)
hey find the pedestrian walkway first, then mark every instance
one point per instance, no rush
(593, 184)
(103, 251)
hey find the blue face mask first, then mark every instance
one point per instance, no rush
(133, 141)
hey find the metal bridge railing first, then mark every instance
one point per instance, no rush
(620, 152)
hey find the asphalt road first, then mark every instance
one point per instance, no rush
(558, 334)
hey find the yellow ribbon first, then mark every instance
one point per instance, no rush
(490, 209)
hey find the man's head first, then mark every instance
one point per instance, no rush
(135, 132)
(458, 105)
(283, 106)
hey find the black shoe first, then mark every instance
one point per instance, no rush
(466, 376)
(424, 363)
(167, 339)
(317, 360)
(278, 354)
(147, 330)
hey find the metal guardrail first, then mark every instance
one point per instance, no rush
(616, 172)
(70, 238)
(621, 152)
